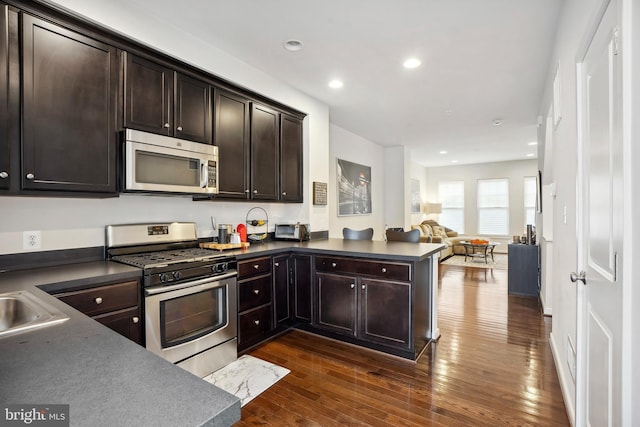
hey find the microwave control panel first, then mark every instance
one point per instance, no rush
(212, 174)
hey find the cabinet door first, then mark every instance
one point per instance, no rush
(337, 303)
(282, 289)
(4, 82)
(192, 109)
(231, 135)
(148, 96)
(302, 275)
(264, 153)
(290, 159)
(385, 312)
(69, 101)
(125, 322)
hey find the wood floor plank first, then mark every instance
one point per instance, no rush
(492, 367)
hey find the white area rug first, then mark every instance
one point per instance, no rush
(500, 263)
(247, 377)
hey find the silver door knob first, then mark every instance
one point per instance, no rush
(179, 128)
(30, 176)
(98, 300)
(4, 174)
(582, 276)
(167, 125)
(135, 319)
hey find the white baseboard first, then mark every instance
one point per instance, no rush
(547, 311)
(565, 380)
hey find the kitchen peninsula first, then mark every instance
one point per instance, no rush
(375, 294)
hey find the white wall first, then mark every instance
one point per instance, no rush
(397, 187)
(80, 222)
(514, 171)
(351, 147)
(419, 172)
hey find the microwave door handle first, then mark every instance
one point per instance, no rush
(204, 174)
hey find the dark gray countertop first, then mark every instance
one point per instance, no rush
(106, 379)
(400, 251)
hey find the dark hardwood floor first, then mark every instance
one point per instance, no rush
(492, 366)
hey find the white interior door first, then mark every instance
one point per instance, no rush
(599, 326)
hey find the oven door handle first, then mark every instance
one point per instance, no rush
(210, 282)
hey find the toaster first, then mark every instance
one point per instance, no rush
(299, 232)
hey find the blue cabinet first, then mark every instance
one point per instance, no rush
(524, 268)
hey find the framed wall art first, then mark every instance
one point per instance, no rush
(353, 188)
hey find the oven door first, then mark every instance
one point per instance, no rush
(188, 318)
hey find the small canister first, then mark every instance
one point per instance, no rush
(223, 233)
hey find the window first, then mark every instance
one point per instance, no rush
(493, 207)
(451, 195)
(530, 200)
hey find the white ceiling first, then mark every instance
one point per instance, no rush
(481, 60)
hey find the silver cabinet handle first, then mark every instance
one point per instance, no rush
(30, 176)
(255, 191)
(179, 128)
(4, 174)
(284, 193)
(582, 277)
(135, 319)
(98, 300)
(256, 266)
(353, 285)
(256, 291)
(167, 125)
(257, 322)
(246, 191)
(364, 287)
(384, 270)
(277, 264)
(333, 264)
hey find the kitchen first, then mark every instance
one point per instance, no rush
(68, 230)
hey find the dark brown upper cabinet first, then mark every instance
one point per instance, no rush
(265, 124)
(231, 135)
(290, 158)
(70, 86)
(163, 101)
(5, 173)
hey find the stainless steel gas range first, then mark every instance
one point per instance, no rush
(190, 294)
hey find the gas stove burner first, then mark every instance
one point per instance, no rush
(165, 258)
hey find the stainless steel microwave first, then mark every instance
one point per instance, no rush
(169, 165)
(300, 232)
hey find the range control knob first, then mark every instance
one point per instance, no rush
(163, 277)
(177, 275)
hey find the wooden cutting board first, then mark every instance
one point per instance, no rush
(224, 246)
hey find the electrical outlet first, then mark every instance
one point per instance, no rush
(31, 240)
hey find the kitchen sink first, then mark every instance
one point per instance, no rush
(22, 311)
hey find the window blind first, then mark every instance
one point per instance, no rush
(451, 195)
(493, 207)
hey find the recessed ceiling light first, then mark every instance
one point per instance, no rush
(412, 63)
(293, 45)
(444, 152)
(335, 84)
(497, 122)
(530, 155)
(454, 161)
(448, 111)
(533, 143)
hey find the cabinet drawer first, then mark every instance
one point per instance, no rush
(254, 325)
(254, 292)
(103, 299)
(380, 269)
(254, 267)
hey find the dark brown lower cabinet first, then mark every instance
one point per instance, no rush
(372, 310)
(115, 305)
(282, 291)
(255, 308)
(301, 281)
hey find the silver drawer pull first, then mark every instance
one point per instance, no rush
(135, 319)
(384, 270)
(353, 285)
(167, 125)
(256, 291)
(256, 266)
(364, 287)
(30, 176)
(179, 128)
(333, 264)
(277, 264)
(4, 174)
(257, 322)
(98, 300)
